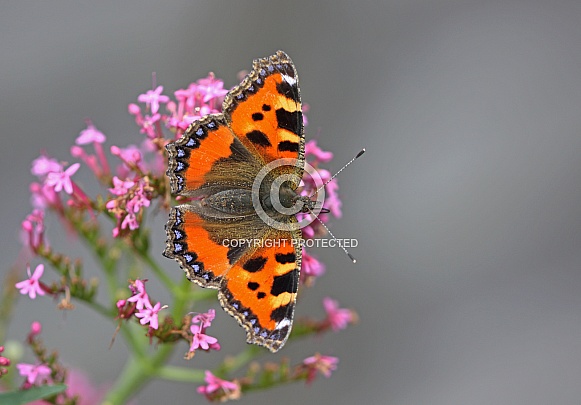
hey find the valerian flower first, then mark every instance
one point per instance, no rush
(338, 318)
(323, 364)
(148, 315)
(90, 135)
(61, 180)
(33, 230)
(31, 286)
(311, 267)
(34, 372)
(43, 165)
(140, 297)
(218, 389)
(200, 339)
(206, 318)
(152, 99)
(4, 362)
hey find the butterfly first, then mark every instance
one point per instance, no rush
(215, 166)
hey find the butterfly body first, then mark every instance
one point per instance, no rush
(215, 164)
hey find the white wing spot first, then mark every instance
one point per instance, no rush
(290, 80)
(282, 324)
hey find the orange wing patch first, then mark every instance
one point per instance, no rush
(203, 260)
(260, 291)
(192, 156)
(265, 110)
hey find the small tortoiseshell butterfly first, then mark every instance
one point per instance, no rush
(215, 164)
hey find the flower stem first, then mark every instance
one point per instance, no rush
(159, 272)
(180, 374)
(234, 363)
(136, 374)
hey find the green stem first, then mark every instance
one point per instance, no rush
(157, 270)
(240, 360)
(136, 374)
(107, 313)
(182, 374)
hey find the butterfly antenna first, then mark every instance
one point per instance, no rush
(361, 152)
(335, 239)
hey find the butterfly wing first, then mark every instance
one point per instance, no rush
(261, 289)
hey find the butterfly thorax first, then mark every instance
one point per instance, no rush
(236, 202)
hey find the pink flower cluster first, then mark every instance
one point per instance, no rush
(218, 389)
(131, 197)
(201, 340)
(55, 181)
(338, 318)
(38, 373)
(315, 156)
(200, 98)
(139, 300)
(4, 362)
(34, 373)
(323, 364)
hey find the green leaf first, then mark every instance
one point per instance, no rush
(22, 397)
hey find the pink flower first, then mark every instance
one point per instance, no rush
(90, 135)
(43, 165)
(4, 362)
(211, 88)
(306, 108)
(134, 109)
(130, 156)
(332, 201)
(33, 229)
(311, 267)
(309, 188)
(187, 98)
(121, 187)
(140, 296)
(217, 388)
(324, 364)
(33, 373)
(130, 222)
(201, 340)
(80, 385)
(31, 286)
(205, 319)
(35, 328)
(338, 318)
(148, 315)
(311, 149)
(148, 125)
(140, 199)
(62, 180)
(153, 98)
(43, 196)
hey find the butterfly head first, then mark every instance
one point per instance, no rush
(309, 205)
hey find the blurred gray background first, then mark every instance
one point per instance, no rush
(466, 206)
